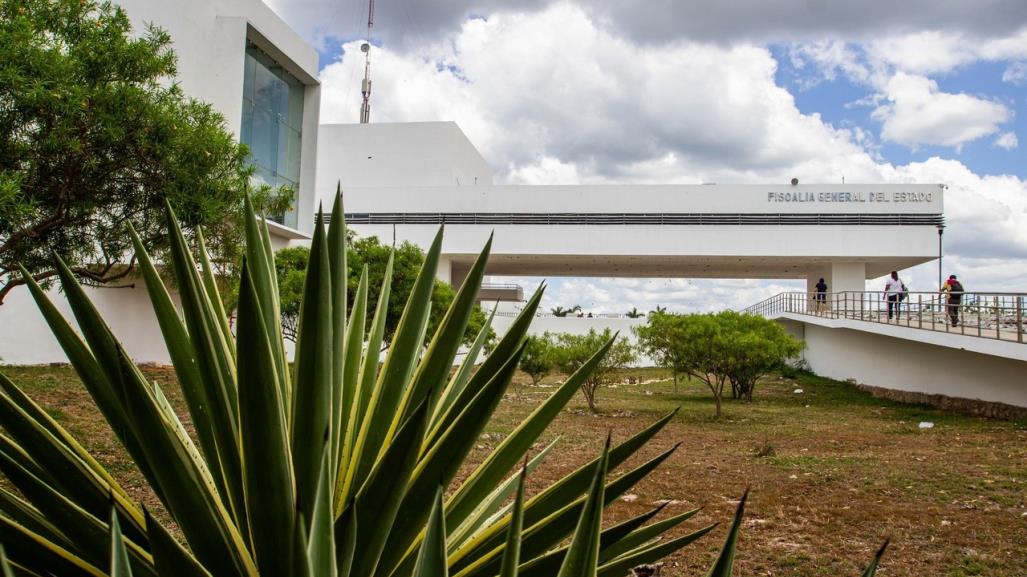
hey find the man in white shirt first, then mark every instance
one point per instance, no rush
(893, 289)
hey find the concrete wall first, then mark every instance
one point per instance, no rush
(407, 154)
(903, 364)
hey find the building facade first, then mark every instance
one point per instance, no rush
(241, 58)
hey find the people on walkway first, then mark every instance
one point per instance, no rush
(821, 297)
(893, 293)
(953, 290)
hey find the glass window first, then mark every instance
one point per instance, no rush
(272, 124)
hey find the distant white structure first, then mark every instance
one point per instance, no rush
(261, 76)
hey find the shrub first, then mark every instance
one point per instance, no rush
(572, 352)
(538, 358)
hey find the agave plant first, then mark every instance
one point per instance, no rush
(337, 465)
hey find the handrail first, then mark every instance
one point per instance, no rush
(994, 315)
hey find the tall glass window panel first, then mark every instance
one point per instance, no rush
(272, 124)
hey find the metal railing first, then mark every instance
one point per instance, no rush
(987, 315)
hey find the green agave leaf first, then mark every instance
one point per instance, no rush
(346, 540)
(216, 365)
(872, 568)
(183, 357)
(512, 551)
(4, 564)
(24, 514)
(547, 533)
(41, 417)
(441, 464)
(638, 539)
(621, 565)
(262, 274)
(491, 508)
(431, 559)
(438, 360)
(321, 544)
(385, 408)
(508, 346)
(463, 374)
(503, 458)
(549, 564)
(200, 514)
(88, 368)
(60, 468)
(120, 566)
(270, 497)
(312, 407)
(554, 498)
(350, 423)
(583, 553)
(210, 286)
(169, 557)
(40, 555)
(366, 394)
(378, 501)
(725, 559)
(342, 396)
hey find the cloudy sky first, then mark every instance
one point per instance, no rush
(666, 91)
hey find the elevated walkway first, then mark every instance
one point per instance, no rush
(850, 337)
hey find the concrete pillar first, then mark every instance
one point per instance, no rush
(445, 270)
(840, 277)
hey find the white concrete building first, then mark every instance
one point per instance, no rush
(261, 76)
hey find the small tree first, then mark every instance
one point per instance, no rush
(561, 312)
(95, 134)
(634, 313)
(572, 351)
(719, 349)
(538, 360)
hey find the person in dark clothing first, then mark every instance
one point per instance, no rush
(821, 295)
(954, 290)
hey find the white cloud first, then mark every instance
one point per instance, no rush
(1007, 140)
(917, 113)
(1015, 73)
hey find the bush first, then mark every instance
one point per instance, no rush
(538, 358)
(572, 352)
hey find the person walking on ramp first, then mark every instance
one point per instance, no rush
(893, 290)
(821, 296)
(954, 290)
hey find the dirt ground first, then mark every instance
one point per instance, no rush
(833, 471)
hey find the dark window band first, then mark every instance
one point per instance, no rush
(596, 218)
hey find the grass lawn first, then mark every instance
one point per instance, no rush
(840, 471)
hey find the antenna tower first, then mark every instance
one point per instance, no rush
(365, 86)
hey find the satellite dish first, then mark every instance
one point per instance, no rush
(365, 47)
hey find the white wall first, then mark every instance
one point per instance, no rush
(410, 154)
(209, 38)
(901, 364)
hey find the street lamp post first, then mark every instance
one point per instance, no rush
(941, 231)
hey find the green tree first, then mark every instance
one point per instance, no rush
(720, 349)
(634, 313)
(538, 358)
(95, 134)
(291, 265)
(572, 351)
(561, 312)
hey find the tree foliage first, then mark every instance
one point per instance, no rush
(407, 259)
(720, 349)
(538, 358)
(94, 134)
(571, 353)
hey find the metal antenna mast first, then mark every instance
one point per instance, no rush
(365, 86)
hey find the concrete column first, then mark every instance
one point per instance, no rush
(848, 276)
(445, 270)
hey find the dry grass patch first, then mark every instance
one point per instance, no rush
(834, 471)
